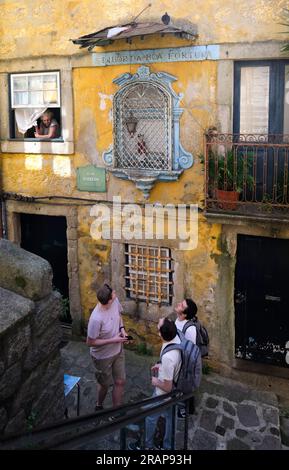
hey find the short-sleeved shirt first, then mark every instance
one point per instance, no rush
(191, 332)
(170, 365)
(45, 130)
(104, 324)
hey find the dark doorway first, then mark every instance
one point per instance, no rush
(262, 299)
(46, 236)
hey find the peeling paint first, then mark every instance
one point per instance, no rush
(103, 99)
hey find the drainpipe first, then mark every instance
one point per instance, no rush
(3, 220)
(3, 215)
(1, 227)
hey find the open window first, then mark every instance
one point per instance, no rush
(32, 94)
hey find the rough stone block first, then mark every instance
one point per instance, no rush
(227, 423)
(274, 431)
(17, 343)
(236, 444)
(208, 420)
(14, 308)
(40, 379)
(202, 440)
(284, 428)
(271, 415)
(247, 415)
(43, 346)
(17, 424)
(24, 273)
(212, 402)
(228, 408)
(220, 430)
(54, 395)
(2, 367)
(10, 381)
(270, 443)
(241, 433)
(3, 418)
(47, 311)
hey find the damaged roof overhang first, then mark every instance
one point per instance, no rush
(108, 35)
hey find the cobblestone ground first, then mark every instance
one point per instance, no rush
(229, 415)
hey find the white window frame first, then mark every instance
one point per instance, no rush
(59, 146)
(143, 272)
(44, 105)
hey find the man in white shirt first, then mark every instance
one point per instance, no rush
(167, 371)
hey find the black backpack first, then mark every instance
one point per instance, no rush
(202, 338)
(191, 369)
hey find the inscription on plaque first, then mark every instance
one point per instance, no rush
(91, 178)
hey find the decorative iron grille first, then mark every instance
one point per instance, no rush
(149, 274)
(149, 146)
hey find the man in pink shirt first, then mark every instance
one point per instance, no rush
(105, 336)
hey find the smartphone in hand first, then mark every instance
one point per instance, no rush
(129, 338)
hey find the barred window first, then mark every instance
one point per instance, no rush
(148, 145)
(149, 274)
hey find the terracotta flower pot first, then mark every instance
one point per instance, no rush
(226, 197)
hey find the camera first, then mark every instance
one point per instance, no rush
(129, 338)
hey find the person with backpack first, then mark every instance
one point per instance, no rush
(167, 372)
(187, 322)
(186, 312)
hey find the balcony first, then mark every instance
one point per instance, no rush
(247, 175)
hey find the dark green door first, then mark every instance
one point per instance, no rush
(262, 299)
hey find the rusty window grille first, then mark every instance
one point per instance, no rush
(148, 146)
(149, 274)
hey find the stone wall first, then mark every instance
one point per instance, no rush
(31, 379)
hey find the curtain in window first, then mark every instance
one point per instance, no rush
(254, 100)
(27, 117)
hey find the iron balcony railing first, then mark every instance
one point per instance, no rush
(75, 433)
(247, 174)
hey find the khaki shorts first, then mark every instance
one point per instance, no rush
(107, 371)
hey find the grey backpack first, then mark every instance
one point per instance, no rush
(202, 338)
(191, 369)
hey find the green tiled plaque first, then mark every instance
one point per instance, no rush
(91, 178)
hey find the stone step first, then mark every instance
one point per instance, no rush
(284, 428)
(231, 416)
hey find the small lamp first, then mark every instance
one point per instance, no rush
(131, 123)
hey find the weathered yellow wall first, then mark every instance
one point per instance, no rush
(35, 28)
(56, 175)
(37, 175)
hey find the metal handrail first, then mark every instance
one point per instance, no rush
(64, 434)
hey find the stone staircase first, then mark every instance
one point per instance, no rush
(229, 414)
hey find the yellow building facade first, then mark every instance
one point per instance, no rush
(196, 72)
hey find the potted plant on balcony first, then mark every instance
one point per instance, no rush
(229, 173)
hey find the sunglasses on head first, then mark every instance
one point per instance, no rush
(108, 287)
